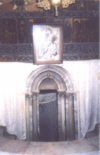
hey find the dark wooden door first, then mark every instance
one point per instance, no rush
(48, 116)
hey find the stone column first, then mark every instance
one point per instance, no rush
(61, 115)
(67, 119)
(35, 116)
(28, 99)
(71, 116)
(76, 114)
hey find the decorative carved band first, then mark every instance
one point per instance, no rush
(42, 14)
(81, 51)
(23, 52)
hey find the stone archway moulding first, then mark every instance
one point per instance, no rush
(41, 73)
(66, 94)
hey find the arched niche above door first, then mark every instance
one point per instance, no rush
(48, 84)
(57, 73)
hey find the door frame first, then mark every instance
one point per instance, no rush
(67, 123)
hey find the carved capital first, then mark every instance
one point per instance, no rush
(62, 93)
(29, 96)
(70, 95)
(35, 95)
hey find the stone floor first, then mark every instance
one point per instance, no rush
(88, 146)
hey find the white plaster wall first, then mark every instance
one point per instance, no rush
(12, 94)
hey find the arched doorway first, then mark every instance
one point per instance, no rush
(48, 110)
(49, 78)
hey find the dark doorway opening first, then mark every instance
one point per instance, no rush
(48, 116)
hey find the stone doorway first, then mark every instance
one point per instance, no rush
(53, 78)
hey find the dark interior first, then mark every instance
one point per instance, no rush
(48, 116)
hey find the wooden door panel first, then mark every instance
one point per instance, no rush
(48, 118)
